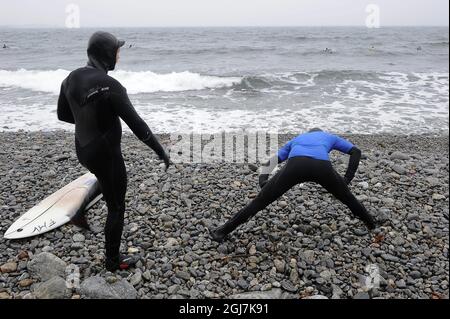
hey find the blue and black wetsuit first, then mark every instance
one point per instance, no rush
(307, 158)
(95, 103)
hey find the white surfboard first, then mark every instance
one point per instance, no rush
(57, 209)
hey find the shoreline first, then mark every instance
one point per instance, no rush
(304, 244)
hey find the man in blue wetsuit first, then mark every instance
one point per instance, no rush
(308, 160)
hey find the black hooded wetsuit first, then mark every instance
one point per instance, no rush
(95, 103)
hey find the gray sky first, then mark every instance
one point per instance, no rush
(140, 13)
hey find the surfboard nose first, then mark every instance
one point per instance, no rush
(14, 233)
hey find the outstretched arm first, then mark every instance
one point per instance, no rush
(266, 169)
(270, 165)
(346, 147)
(64, 112)
(125, 110)
(353, 163)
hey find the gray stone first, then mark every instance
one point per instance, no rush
(415, 274)
(288, 286)
(316, 297)
(399, 169)
(337, 292)
(261, 246)
(269, 294)
(54, 288)
(308, 256)
(46, 265)
(399, 156)
(364, 185)
(400, 284)
(147, 275)
(242, 283)
(78, 238)
(183, 275)
(136, 278)
(280, 265)
(389, 257)
(361, 295)
(326, 275)
(97, 288)
(223, 249)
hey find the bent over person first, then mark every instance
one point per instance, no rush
(308, 160)
(95, 103)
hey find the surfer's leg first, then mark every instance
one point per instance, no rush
(116, 181)
(285, 178)
(336, 185)
(112, 177)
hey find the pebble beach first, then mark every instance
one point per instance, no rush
(305, 245)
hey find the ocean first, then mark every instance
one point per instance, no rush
(343, 79)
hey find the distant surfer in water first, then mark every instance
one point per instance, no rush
(5, 46)
(308, 160)
(95, 103)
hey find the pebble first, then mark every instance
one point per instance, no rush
(25, 282)
(319, 297)
(399, 169)
(183, 275)
(223, 249)
(399, 156)
(362, 295)
(288, 286)
(136, 278)
(78, 238)
(400, 284)
(279, 265)
(8, 267)
(4, 295)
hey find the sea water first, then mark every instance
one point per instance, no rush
(343, 79)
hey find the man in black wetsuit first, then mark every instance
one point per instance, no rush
(95, 103)
(308, 161)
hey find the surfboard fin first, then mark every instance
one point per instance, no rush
(93, 202)
(79, 219)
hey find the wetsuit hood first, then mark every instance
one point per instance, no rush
(102, 50)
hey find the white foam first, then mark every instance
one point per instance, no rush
(336, 116)
(396, 102)
(136, 82)
(40, 81)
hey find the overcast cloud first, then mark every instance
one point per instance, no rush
(139, 13)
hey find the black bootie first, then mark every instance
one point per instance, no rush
(220, 233)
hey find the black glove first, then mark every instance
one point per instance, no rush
(263, 179)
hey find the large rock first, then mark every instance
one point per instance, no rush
(55, 288)
(270, 294)
(97, 288)
(46, 266)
